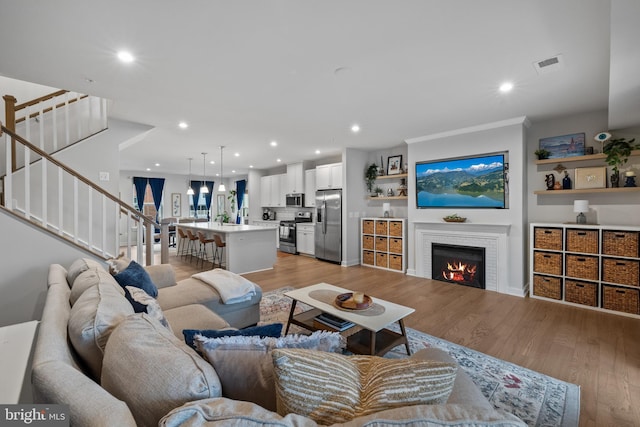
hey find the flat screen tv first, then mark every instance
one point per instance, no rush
(466, 182)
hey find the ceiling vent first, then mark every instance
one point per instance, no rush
(548, 65)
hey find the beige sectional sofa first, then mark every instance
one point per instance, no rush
(116, 367)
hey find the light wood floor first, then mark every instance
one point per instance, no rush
(598, 351)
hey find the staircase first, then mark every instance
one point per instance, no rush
(39, 189)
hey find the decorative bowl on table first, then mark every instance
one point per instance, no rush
(347, 301)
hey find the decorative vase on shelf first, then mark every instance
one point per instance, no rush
(630, 179)
(615, 179)
(566, 181)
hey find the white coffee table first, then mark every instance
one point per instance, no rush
(373, 338)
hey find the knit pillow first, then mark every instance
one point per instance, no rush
(136, 275)
(338, 388)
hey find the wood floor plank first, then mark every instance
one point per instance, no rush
(598, 351)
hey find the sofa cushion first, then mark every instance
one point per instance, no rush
(85, 280)
(193, 316)
(135, 275)
(273, 330)
(142, 302)
(221, 412)
(338, 388)
(92, 319)
(245, 366)
(153, 371)
(118, 264)
(80, 265)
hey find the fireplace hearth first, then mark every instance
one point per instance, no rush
(462, 265)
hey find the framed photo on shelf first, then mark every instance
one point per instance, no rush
(563, 146)
(176, 204)
(394, 164)
(591, 178)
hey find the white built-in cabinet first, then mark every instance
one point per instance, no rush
(271, 194)
(305, 238)
(310, 188)
(295, 178)
(329, 176)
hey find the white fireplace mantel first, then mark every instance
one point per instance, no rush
(492, 237)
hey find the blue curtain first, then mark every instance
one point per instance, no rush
(196, 196)
(157, 184)
(141, 185)
(208, 196)
(241, 186)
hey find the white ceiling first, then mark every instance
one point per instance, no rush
(243, 73)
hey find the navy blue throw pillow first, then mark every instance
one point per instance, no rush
(136, 275)
(273, 330)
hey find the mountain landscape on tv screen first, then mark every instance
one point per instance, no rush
(461, 187)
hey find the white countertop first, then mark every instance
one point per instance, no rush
(224, 228)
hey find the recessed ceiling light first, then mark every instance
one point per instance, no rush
(355, 128)
(317, 151)
(125, 57)
(183, 125)
(273, 143)
(250, 166)
(217, 174)
(236, 154)
(506, 87)
(157, 164)
(148, 169)
(233, 171)
(212, 162)
(278, 160)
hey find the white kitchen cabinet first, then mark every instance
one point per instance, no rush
(305, 238)
(271, 190)
(310, 188)
(295, 178)
(329, 176)
(271, 224)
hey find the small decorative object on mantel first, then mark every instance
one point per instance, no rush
(566, 181)
(630, 179)
(557, 186)
(454, 218)
(550, 181)
(580, 207)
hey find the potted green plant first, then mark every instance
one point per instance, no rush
(542, 153)
(370, 176)
(618, 151)
(378, 191)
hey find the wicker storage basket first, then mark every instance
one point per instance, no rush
(622, 271)
(367, 242)
(382, 260)
(395, 262)
(585, 241)
(547, 238)
(367, 226)
(395, 228)
(620, 243)
(395, 245)
(584, 293)
(381, 244)
(382, 228)
(547, 262)
(368, 257)
(582, 267)
(620, 299)
(548, 287)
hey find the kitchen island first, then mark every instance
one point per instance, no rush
(248, 248)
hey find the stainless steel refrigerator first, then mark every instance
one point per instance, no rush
(329, 225)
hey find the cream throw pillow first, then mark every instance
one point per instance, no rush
(332, 388)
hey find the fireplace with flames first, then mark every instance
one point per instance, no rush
(463, 265)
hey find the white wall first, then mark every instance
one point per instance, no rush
(607, 209)
(493, 137)
(354, 203)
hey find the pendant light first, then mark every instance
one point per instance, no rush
(221, 188)
(190, 191)
(204, 189)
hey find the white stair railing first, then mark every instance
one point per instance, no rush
(40, 189)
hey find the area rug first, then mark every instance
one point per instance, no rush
(537, 399)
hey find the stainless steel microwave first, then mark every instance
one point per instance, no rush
(295, 200)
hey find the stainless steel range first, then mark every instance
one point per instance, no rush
(288, 232)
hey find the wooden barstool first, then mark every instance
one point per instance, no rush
(219, 252)
(191, 248)
(202, 253)
(182, 243)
